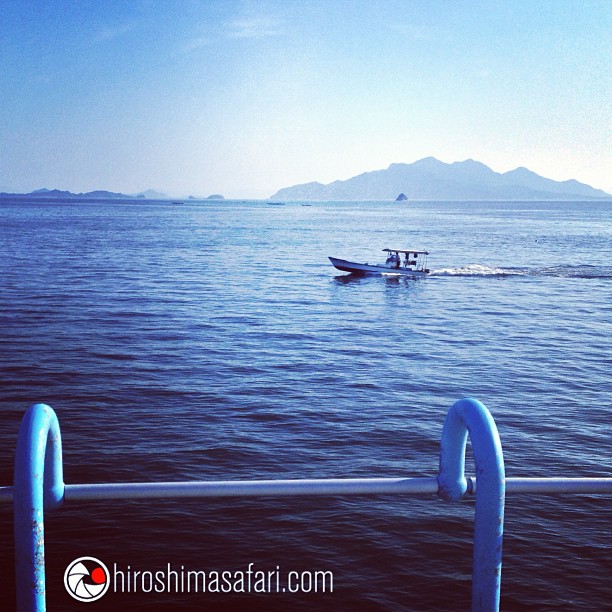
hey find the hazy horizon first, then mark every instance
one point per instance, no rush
(243, 98)
(153, 193)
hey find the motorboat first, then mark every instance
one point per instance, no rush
(412, 264)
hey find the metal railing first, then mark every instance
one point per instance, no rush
(38, 486)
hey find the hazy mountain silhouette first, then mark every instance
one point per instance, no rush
(431, 179)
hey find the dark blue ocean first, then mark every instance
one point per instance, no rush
(214, 341)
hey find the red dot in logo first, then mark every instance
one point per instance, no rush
(98, 575)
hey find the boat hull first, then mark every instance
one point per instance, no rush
(357, 268)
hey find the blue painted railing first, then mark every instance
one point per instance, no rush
(38, 486)
(471, 416)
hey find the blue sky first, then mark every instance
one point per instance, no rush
(245, 97)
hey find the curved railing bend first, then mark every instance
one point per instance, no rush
(38, 486)
(465, 416)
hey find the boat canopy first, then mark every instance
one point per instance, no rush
(406, 251)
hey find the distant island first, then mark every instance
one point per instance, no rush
(431, 179)
(215, 196)
(60, 194)
(150, 194)
(90, 195)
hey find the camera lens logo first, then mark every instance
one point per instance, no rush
(87, 579)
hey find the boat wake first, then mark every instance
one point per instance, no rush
(478, 270)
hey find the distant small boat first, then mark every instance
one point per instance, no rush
(413, 265)
(177, 202)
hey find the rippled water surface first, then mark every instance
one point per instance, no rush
(213, 341)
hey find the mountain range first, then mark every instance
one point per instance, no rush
(150, 194)
(431, 179)
(90, 195)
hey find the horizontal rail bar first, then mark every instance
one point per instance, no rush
(255, 488)
(346, 486)
(558, 485)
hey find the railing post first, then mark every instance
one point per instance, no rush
(38, 484)
(469, 415)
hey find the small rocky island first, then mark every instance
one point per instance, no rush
(401, 197)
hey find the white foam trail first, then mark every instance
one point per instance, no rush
(477, 270)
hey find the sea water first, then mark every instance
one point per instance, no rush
(214, 341)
